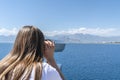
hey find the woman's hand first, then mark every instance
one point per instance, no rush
(49, 50)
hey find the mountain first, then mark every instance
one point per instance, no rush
(9, 39)
(85, 38)
(72, 38)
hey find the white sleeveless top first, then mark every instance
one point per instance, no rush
(48, 73)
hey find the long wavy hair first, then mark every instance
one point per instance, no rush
(26, 55)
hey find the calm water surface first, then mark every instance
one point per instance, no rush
(90, 61)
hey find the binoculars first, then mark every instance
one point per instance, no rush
(59, 47)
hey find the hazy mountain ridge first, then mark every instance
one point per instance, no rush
(7, 39)
(85, 38)
(72, 38)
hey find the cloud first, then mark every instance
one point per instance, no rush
(83, 30)
(8, 32)
(92, 31)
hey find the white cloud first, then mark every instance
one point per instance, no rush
(92, 31)
(8, 32)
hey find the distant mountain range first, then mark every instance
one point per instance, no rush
(85, 38)
(7, 39)
(73, 38)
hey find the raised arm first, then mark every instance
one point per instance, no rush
(49, 55)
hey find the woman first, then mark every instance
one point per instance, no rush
(25, 61)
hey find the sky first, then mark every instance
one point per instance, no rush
(96, 17)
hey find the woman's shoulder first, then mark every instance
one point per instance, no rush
(50, 72)
(47, 67)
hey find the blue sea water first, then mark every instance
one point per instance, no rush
(85, 61)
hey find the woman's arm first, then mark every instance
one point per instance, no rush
(49, 55)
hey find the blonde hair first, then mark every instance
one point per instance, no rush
(27, 53)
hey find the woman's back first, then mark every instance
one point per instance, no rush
(48, 73)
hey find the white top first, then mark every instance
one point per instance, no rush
(48, 73)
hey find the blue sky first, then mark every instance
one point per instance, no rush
(102, 17)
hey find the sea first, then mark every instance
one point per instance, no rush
(85, 61)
